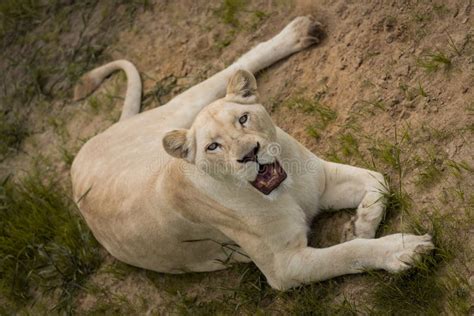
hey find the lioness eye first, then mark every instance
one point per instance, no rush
(213, 146)
(243, 119)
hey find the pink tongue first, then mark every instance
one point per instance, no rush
(269, 177)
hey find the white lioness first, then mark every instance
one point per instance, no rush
(208, 179)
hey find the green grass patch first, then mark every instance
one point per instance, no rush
(248, 294)
(17, 16)
(431, 287)
(435, 61)
(458, 168)
(12, 132)
(161, 92)
(67, 155)
(370, 106)
(430, 167)
(323, 298)
(322, 114)
(237, 15)
(229, 10)
(422, 17)
(412, 92)
(44, 245)
(389, 154)
(257, 18)
(349, 145)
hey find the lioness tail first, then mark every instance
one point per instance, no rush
(91, 80)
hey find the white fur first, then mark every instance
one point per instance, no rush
(168, 213)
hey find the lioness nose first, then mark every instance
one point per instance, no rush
(251, 155)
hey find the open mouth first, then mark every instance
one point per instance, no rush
(269, 177)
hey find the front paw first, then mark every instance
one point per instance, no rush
(403, 250)
(303, 31)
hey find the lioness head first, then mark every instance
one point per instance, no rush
(233, 138)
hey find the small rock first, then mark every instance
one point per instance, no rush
(398, 54)
(390, 38)
(456, 12)
(395, 100)
(451, 150)
(358, 62)
(404, 115)
(433, 109)
(410, 105)
(382, 83)
(184, 82)
(403, 70)
(430, 99)
(342, 11)
(202, 43)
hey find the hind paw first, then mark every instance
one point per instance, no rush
(304, 31)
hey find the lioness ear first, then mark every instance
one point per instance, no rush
(176, 144)
(242, 88)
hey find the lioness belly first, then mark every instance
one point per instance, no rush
(163, 242)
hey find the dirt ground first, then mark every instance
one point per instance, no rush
(389, 88)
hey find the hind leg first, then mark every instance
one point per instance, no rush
(299, 34)
(350, 187)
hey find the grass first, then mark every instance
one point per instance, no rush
(453, 45)
(94, 103)
(413, 92)
(45, 72)
(161, 92)
(389, 154)
(434, 61)
(248, 293)
(59, 127)
(12, 132)
(440, 135)
(45, 247)
(67, 155)
(237, 15)
(322, 114)
(373, 105)
(349, 145)
(432, 284)
(324, 298)
(441, 9)
(252, 295)
(18, 16)
(458, 168)
(257, 18)
(431, 168)
(228, 11)
(422, 17)
(421, 91)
